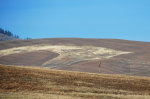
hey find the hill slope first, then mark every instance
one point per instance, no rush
(116, 56)
(6, 38)
(33, 83)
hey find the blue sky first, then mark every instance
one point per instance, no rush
(117, 19)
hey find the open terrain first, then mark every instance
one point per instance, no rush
(17, 82)
(77, 54)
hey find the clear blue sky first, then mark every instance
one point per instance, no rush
(120, 19)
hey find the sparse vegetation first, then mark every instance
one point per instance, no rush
(37, 83)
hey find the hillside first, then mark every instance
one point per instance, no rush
(6, 37)
(77, 54)
(37, 83)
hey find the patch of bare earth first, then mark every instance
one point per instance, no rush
(34, 58)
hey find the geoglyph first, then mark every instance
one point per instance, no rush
(68, 54)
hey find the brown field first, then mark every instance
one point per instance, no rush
(41, 83)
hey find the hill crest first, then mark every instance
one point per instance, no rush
(76, 51)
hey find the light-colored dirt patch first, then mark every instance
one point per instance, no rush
(74, 53)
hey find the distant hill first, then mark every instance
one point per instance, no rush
(6, 35)
(78, 54)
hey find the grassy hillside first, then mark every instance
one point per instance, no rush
(78, 54)
(37, 83)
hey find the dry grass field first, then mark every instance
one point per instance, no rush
(41, 83)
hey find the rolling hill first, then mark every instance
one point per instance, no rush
(78, 54)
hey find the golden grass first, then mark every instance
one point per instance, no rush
(37, 83)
